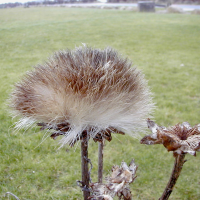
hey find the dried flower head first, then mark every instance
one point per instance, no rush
(181, 138)
(84, 91)
(117, 184)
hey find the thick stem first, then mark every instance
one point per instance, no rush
(85, 171)
(178, 164)
(100, 162)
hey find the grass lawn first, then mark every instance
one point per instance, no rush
(165, 47)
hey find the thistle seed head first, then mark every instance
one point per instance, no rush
(84, 89)
(181, 138)
(117, 184)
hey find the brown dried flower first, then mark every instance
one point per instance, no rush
(181, 138)
(83, 90)
(117, 184)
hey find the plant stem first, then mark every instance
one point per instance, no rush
(100, 162)
(9, 193)
(85, 171)
(178, 164)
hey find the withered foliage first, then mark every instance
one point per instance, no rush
(117, 184)
(61, 129)
(181, 138)
(85, 89)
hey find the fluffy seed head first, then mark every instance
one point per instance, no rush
(86, 89)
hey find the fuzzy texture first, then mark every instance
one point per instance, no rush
(87, 89)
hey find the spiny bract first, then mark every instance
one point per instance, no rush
(87, 89)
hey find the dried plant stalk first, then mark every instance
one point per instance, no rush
(178, 164)
(100, 162)
(9, 193)
(84, 167)
(181, 139)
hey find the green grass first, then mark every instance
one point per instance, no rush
(165, 47)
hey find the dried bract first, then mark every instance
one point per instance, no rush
(85, 89)
(117, 184)
(181, 138)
